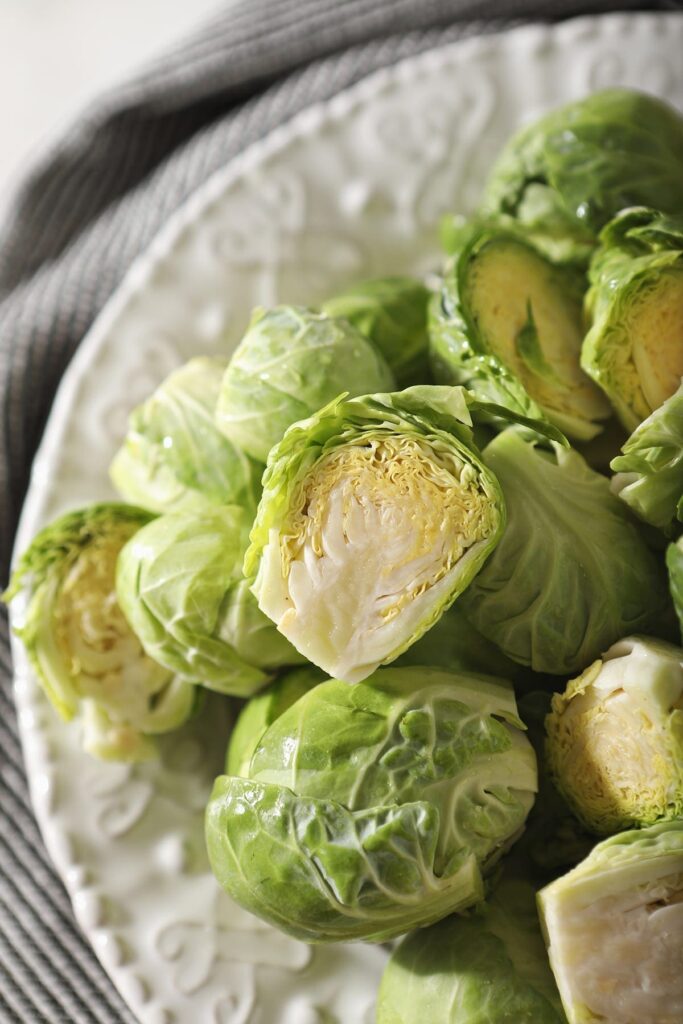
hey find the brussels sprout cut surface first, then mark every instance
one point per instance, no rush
(614, 926)
(634, 349)
(392, 313)
(571, 574)
(174, 457)
(83, 651)
(180, 585)
(376, 514)
(373, 809)
(290, 362)
(615, 737)
(505, 311)
(563, 177)
(487, 968)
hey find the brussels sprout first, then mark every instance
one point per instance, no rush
(262, 710)
(674, 561)
(489, 967)
(392, 313)
(373, 809)
(564, 176)
(613, 927)
(84, 653)
(453, 643)
(615, 737)
(634, 348)
(509, 324)
(174, 457)
(290, 362)
(180, 585)
(571, 574)
(650, 470)
(376, 513)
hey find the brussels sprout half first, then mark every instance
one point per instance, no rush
(509, 324)
(564, 176)
(376, 514)
(615, 737)
(373, 809)
(174, 457)
(613, 928)
(489, 967)
(291, 362)
(634, 348)
(392, 313)
(180, 585)
(84, 653)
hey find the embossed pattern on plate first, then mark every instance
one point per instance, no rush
(351, 188)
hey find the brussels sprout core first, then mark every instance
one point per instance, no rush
(532, 321)
(379, 532)
(614, 927)
(615, 738)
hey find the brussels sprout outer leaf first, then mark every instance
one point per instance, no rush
(650, 470)
(489, 967)
(291, 362)
(674, 561)
(555, 593)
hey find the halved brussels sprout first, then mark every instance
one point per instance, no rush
(615, 737)
(571, 574)
(174, 457)
(84, 653)
(634, 348)
(180, 585)
(376, 513)
(674, 561)
(290, 362)
(262, 710)
(564, 176)
(509, 323)
(392, 313)
(649, 473)
(373, 809)
(613, 927)
(487, 967)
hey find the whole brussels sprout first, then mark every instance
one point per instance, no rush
(615, 737)
(487, 967)
(571, 574)
(84, 653)
(613, 928)
(180, 585)
(373, 809)
(564, 176)
(392, 313)
(508, 323)
(291, 362)
(174, 457)
(634, 348)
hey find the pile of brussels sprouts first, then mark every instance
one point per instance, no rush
(394, 526)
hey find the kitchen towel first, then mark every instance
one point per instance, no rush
(82, 214)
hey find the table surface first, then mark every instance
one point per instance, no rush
(58, 55)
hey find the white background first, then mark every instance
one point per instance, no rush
(57, 55)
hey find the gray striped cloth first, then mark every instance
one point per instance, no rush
(81, 216)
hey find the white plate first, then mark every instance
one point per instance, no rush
(350, 188)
